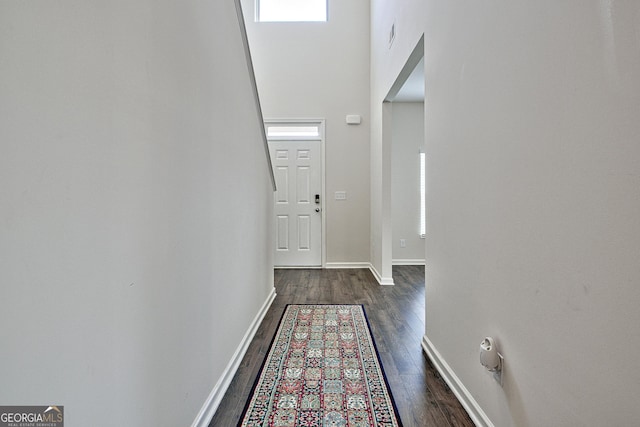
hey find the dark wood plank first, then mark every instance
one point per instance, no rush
(396, 317)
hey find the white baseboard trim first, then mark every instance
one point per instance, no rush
(408, 262)
(297, 267)
(472, 407)
(210, 406)
(384, 281)
(381, 280)
(347, 265)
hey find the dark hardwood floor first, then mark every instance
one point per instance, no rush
(396, 315)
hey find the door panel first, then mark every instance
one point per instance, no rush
(304, 233)
(297, 167)
(303, 183)
(282, 184)
(282, 232)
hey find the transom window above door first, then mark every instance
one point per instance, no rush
(291, 10)
(294, 130)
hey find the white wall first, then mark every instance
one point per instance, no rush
(407, 142)
(321, 70)
(135, 207)
(533, 201)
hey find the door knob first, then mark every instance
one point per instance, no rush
(317, 209)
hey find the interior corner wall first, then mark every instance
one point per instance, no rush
(387, 62)
(321, 70)
(135, 207)
(407, 143)
(533, 202)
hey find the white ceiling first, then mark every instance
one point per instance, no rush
(413, 89)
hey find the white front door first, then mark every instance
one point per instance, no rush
(297, 166)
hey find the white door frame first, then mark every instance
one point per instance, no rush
(320, 124)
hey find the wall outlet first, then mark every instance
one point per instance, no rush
(403, 243)
(497, 375)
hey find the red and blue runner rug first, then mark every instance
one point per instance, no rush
(322, 369)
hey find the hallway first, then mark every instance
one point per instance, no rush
(396, 316)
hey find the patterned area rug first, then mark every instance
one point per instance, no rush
(322, 369)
